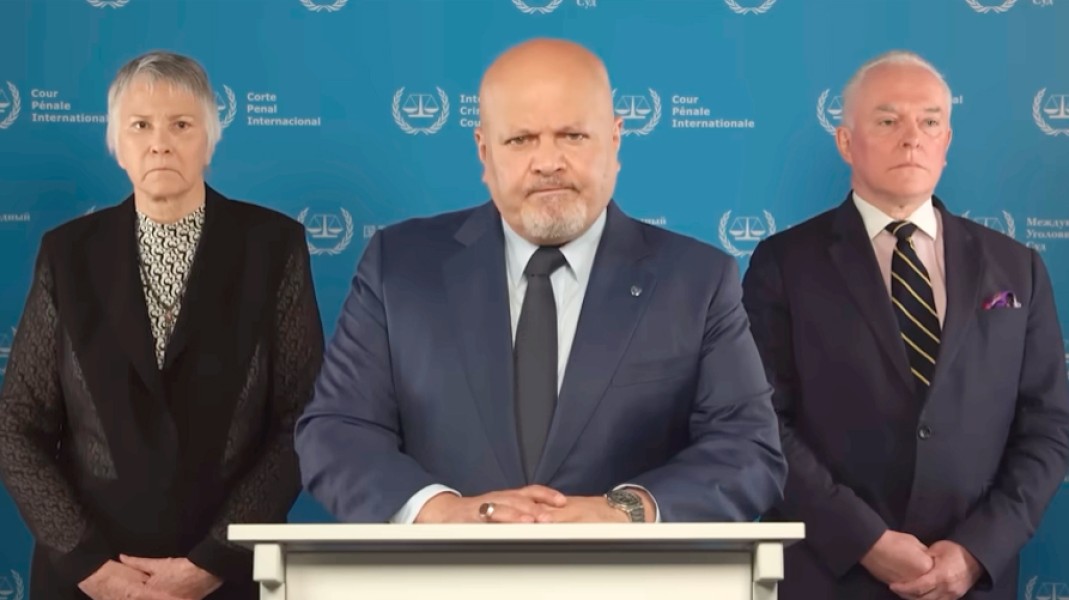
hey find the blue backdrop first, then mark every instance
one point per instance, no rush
(352, 114)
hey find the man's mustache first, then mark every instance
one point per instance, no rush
(550, 184)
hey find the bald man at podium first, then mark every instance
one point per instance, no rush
(542, 357)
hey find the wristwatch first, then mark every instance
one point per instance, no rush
(629, 502)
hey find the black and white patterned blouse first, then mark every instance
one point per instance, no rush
(166, 253)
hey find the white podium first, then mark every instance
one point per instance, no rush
(664, 561)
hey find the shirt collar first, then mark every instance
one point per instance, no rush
(876, 220)
(579, 252)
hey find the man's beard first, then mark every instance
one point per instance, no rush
(557, 218)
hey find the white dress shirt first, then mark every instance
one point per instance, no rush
(927, 242)
(569, 283)
(569, 288)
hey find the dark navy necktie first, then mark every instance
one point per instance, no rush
(535, 355)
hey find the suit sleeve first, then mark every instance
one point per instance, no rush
(265, 492)
(840, 526)
(32, 417)
(1037, 451)
(733, 469)
(349, 439)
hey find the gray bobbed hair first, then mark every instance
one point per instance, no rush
(173, 69)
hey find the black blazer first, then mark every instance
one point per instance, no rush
(975, 462)
(105, 453)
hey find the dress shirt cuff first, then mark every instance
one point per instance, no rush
(408, 513)
(656, 508)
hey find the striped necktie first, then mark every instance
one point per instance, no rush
(914, 305)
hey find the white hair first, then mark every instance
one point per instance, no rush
(179, 71)
(894, 57)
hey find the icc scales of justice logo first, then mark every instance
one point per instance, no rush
(989, 7)
(328, 233)
(545, 7)
(739, 235)
(1001, 6)
(1054, 107)
(324, 5)
(829, 112)
(420, 112)
(1004, 224)
(12, 588)
(753, 8)
(227, 105)
(10, 104)
(1045, 590)
(105, 4)
(640, 112)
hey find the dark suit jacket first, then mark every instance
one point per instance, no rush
(664, 387)
(975, 462)
(104, 453)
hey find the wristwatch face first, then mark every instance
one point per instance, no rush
(624, 499)
(629, 502)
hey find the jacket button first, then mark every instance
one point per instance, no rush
(924, 432)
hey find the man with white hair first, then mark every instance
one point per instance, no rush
(542, 357)
(917, 364)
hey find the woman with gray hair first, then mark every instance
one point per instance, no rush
(167, 346)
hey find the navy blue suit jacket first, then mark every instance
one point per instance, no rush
(975, 462)
(664, 387)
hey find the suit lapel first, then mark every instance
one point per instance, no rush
(852, 254)
(139, 425)
(214, 280)
(477, 293)
(963, 273)
(611, 311)
(116, 277)
(223, 308)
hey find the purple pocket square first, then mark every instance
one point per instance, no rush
(1003, 299)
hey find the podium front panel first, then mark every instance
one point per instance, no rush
(713, 561)
(519, 576)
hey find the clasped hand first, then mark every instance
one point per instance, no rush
(136, 578)
(913, 571)
(530, 504)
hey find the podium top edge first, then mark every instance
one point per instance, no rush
(518, 533)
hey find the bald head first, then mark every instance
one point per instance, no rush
(548, 139)
(534, 65)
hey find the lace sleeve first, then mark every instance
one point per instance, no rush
(266, 491)
(32, 417)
